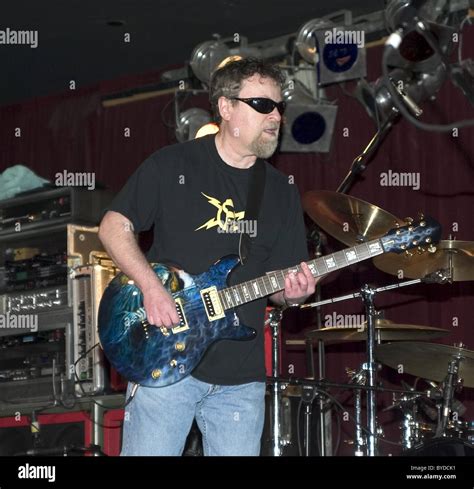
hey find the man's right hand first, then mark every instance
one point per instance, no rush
(160, 307)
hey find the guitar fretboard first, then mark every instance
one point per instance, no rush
(275, 281)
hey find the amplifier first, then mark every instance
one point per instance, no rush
(88, 285)
(48, 207)
(35, 365)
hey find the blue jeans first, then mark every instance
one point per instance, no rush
(157, 421)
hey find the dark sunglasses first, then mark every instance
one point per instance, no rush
(263, 105)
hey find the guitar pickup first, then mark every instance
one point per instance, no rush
(183, 323)
(212, 303)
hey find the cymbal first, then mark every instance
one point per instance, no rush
(455, 256)
(349, 220)
(427, 360)
(385, 330)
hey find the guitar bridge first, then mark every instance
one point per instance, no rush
(183, 323)
(212, 303)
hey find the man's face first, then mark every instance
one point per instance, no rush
(257, 133)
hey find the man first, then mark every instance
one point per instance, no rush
(195, 196)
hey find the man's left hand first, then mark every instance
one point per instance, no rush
(299, 286)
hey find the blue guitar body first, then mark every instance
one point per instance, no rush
(154, 357)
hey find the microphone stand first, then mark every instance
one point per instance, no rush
(360, 163)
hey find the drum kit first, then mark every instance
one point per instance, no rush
(426, 415)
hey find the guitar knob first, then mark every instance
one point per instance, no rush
(156, 374)
(180, 346)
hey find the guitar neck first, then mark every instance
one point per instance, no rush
(273, 282)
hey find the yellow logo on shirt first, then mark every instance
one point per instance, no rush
(225, 216)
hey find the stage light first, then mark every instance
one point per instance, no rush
(206, 57)
(414, 52)
(308, 123)
(337, 51)
(306, 39)
(190, 122)
(210, 56)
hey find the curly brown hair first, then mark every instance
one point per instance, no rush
(227, 81)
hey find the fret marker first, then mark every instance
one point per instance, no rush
(351, 255)
(236, 296)
(274, 282)
(246, 292)
(330, 263)
(374, 247)
(312, 268)
(255, 288)
(228, 297)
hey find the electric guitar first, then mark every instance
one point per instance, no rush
(156, 357)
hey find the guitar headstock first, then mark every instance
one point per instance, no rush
(420, 235)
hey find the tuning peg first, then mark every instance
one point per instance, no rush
(409, 220)
(408, 253)
(428, 240)
(397, 224)
(420, 250)
(421, 216)
(431, 248)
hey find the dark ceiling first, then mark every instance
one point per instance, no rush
(76, 42)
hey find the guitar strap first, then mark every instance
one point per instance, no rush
(254, 199)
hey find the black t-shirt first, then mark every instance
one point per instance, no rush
(186, 190)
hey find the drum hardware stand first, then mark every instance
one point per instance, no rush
(448, 392)
(277, 440)
(359, 378)
(318, 238)
(367, 294)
